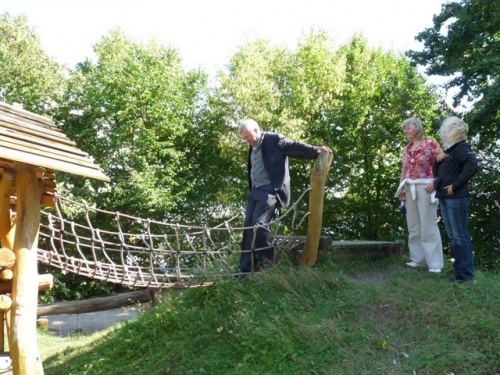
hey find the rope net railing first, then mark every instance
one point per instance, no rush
(144, 253)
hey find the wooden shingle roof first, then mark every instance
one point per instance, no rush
(33, 139)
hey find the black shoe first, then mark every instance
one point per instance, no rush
(265, 265)
(239, 274)
(449, 275)
(457, 279)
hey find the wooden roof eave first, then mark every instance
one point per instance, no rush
(45, 162)
(35, 140)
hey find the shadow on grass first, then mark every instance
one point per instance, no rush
(348, 317)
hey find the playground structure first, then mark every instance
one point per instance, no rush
(146, 254)
(31, 149)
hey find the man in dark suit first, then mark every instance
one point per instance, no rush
(269, 184)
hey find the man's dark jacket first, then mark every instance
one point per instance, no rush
(275, 151)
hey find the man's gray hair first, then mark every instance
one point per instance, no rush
(248, 124)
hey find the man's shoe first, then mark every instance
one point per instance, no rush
(238, 274)
(265, 265)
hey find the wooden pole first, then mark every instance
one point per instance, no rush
(315, 219)
(5, 305)
(7, 226)
(24, 351)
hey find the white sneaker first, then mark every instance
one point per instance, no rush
(412, 264)
(435, 270)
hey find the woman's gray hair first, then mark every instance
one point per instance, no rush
(453, 130)
(248, 124)
(417, 125)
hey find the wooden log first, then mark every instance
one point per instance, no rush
(95, 304)
(47, 200)
(6, 274)
(7, 224)
(7, 257)
(26, 359)
(7, 327)
(45, 282)
(299, 241)
(42, 324)
(5, 305)
(5, 302)
(315, 219)
(2, 332)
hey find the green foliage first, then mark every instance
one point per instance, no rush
(351, 318)
(353, 99)
(463, 44)
(166, 137)
(142, 118)
(28, 76)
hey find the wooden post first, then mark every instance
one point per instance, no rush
(7, 227)
(24, 351)
(5, 305)
(315, 219)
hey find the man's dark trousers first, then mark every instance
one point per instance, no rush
(260, 209)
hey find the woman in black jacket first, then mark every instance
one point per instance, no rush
(452, 175)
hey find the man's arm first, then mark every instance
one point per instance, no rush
(300, 150)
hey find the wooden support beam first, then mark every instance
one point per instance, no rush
(315, 219)
(7, 224)
(26, 359)
(5, 305)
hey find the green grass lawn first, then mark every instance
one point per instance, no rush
(360, 317)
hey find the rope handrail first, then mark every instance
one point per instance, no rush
(148, 253)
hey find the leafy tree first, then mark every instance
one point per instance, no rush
(464, 44)
(28, 76)
(353, 99)
(143, 119)
(381, 90)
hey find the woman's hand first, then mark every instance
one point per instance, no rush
(429, 188)
(441, 156)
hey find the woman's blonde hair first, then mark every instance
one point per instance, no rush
(453, 130)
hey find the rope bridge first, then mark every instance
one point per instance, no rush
(144, 253)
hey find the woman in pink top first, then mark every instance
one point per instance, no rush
(416, 189)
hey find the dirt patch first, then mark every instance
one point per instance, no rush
(368, 277)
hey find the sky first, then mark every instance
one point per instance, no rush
(206, 33)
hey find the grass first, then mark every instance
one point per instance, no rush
(348, 318)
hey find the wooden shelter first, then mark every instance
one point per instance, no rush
(32, 148)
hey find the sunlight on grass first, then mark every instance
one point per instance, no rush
(348, 318)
